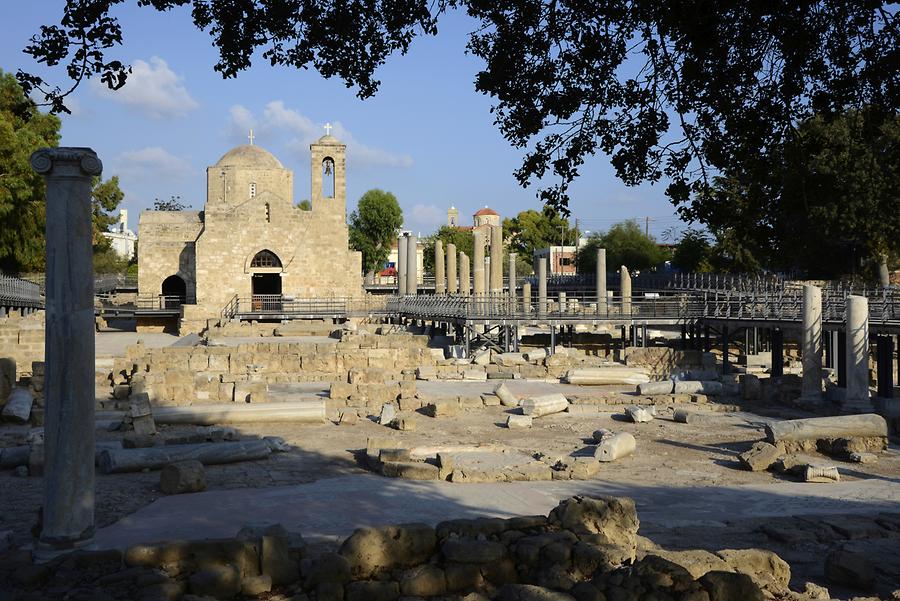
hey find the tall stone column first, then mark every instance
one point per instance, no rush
(401, 265)
(412, 265)
(465, 283)
(601, 280)
(512, 275)
(451, 269)
(626, 289)
(478, 267)
(68, 510)
(812, 343)
(858, 354)
(542, 285)
(439, 287)
(526, 297)
(496, 259)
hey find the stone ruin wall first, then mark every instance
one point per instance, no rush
(22, 340)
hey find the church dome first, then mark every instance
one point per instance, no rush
(249, 156)
(328, 139)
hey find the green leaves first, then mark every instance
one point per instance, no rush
(373, 227)
(625, 244)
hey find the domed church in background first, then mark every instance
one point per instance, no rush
(251, 240)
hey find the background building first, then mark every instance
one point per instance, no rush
(122, 239)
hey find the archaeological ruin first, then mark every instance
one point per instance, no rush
(270, 428)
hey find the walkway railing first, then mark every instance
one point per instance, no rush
(16, 292)
(281, 305)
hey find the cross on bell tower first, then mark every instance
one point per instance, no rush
(328, 129)
(251, 137)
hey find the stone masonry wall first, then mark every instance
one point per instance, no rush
(22, 339)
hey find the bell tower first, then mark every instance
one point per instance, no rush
(329, 174)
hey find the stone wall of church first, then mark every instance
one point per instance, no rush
(166, 247)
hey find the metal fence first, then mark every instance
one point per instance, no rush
(277, 305)
(16, 292)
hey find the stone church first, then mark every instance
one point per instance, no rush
(251, 240)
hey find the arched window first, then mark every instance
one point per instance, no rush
(252, 189)
(328, 177)
(265, 258)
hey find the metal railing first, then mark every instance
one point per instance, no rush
(282, 305)
(160, 302)
(16, 292)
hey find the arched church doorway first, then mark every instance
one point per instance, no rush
(265, 281)
(174, 292)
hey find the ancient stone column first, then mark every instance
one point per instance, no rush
(512, 275)
(626, 289)
(496, 259)
(401, 265)
(601, 280)
(439, 287)
(812, 343)
(465, 284)
(412, 265)
(563, 306)
(542, 285)
(526, 297)
(858, 353)
(68, 510)
(452, 286)
(478, 267)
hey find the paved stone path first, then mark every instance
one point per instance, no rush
(333, 508)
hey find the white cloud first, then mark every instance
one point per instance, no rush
(151, 164)
(278, 119)
(153, 89)
(427, 216)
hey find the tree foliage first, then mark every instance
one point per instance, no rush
(172, 204)
(683, 90)
(462, 238)
(373, 226)
(532, 230)
(106, 197)
(693, 252)
(304, 205)
(23, 129)
(626, 244)
(832, 201)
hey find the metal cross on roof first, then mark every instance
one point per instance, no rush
(328, 129)
(251, 137)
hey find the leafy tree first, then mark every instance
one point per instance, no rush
(532, 230)
(626, 244)
(107, 260)
(373, 226)
(462, 238)
(173, 204)
(23, 129)
(832, 201)
(693, 252)
(686, 90)
(105, 198)
(304, 205)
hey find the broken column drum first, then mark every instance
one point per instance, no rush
(526, 297)
(439, 287)
(542, 286)
(465, 283)
(812, 343)
(625, 289)
(478, 267)
(496, 259)
(858, 351)
(401, 265)
(452, 286)
(412, 265)
(68, 506)
(601, 280)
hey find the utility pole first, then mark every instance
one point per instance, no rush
(647, 226)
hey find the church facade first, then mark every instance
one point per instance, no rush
(251, 240)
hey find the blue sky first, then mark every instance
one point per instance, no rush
(426, 136)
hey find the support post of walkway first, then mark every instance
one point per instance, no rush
(601, 281)
(401, 265)
(542, 286)
(68, 504)
(412, 265)
(478, 264)
(439, 286)
(812, 343)
(777, 339)
(857, 328)
(452, 285)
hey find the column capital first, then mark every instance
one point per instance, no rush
(66, 162)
